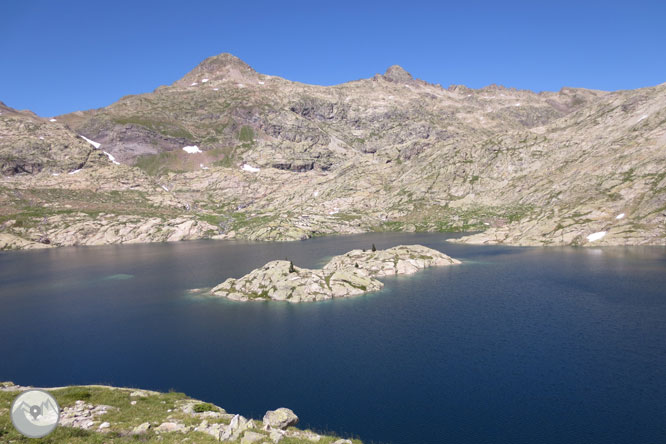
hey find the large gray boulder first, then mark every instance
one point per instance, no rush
(280, 418)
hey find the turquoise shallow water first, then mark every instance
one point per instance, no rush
(517, 345)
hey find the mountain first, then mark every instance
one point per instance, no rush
(267, 158)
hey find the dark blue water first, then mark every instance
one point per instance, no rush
(517, 345)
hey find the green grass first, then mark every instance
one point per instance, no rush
(246, 134)
(33, 206)
(155, 164)
(424, 217)
(163, 127)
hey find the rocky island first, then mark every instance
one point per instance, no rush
(104, 414)
(349, 274)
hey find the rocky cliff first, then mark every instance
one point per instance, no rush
(234, 153)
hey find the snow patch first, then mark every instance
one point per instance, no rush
(52, 120)
(204, 80)
(596, 236)
(192, 149)
(41, 138)
(111, 158)
(260, 82)
(216, 89)
(92, 142)
(250, 168)
(164, 188)
(194, 84)
(240, 85)
(315, 194)
(643, 118)
(335, 211)
(517, 104)
(203, 167)
(74, 172)
(620, 216)
(55, 174)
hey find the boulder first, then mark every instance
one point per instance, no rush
(251, 437)
(280, 418)
(171, 427)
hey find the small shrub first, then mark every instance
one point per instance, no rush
(291, 267)
(374, 248)
(203, 407)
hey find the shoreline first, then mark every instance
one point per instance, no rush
(453, 240)
(125, 415)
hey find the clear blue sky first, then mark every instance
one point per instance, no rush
(62, 56)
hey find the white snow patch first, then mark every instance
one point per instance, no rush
(203, 167)
(517, 104)
(620, 216)
(111, 158)
(164, 188)
(192, 149)
(335, 211)
(643, 118)
(194, 84)
(260, 82)
(240, 85)
(92, 142)
(74, 172)
(250, 169)
(596, 236)
(315, 194)
(52, 120)
(216, 89)
(204, 80)
(55, 174)
(41, 138)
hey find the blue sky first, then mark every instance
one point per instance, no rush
(62, 56)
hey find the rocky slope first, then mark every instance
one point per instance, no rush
(247, 155)
(104, 414)
(350, 274)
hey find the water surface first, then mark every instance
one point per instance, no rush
(517, 345)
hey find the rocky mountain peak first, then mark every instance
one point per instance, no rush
(224, 62)
(397, 73)
(224, 66)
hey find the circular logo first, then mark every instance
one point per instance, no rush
(35, 413)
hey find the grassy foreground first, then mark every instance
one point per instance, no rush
(129, 410)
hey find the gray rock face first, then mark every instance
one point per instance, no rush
(280, 418)
(346, 275)
(29, 145)
(398, 74)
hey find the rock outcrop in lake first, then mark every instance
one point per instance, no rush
(350, 274)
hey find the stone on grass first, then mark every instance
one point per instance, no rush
(280, 418)
(251, 437)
